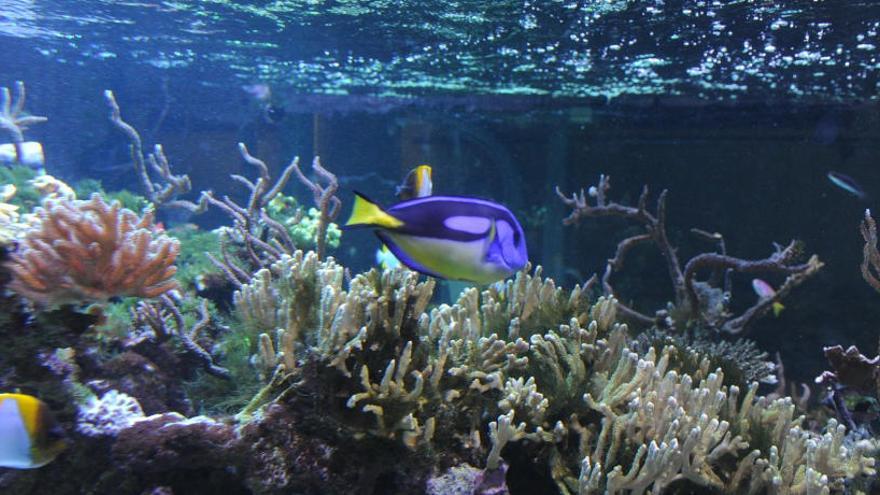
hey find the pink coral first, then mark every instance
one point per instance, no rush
(81, 251)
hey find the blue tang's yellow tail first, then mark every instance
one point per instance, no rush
(366, 213)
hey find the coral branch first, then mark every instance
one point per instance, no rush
(250, 221)
(325, 199)
(12, 119)
(780, 262)
(871, 257)
(693, 300)
(161, 195)
(157, 316)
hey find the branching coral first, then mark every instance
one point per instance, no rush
(393, 393)
(165, 319)
(871, 257)
(694, 301)
(165, 192)
(302, 224)
(297, 308)
(13, 120)
(9, 217)
(742, 361)
(262, 238)
(287, 301)
(854, 375)
(523, 365)
(499, 363)
(365, 367)
(325, 199)
(684, 430)
(454, 354)
(91, 251)
(252, 223)
(51, 187)
(38, 188)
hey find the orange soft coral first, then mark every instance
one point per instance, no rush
(81, 251)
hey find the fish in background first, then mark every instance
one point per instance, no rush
(416, 184)
(848, 184)
(29, 436)
(259, 91)
(272, 112)
(766, 291)
(448, 237)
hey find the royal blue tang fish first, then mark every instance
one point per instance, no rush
(451, 237)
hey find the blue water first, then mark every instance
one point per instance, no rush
(739, 109)
(696, 97)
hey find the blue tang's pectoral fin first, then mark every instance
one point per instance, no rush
(403, 257)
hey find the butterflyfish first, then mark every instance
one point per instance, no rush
(766, 291)
(29, 436)
(416, 184)
(450, 237)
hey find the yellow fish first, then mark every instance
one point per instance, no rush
(416, 184)
(29, 436)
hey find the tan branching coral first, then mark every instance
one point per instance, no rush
(80, 251)
(684, 430)
(395, 393)
(165, 192)
(539, 367)
(404, 362)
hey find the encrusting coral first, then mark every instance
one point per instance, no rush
(83, 251)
